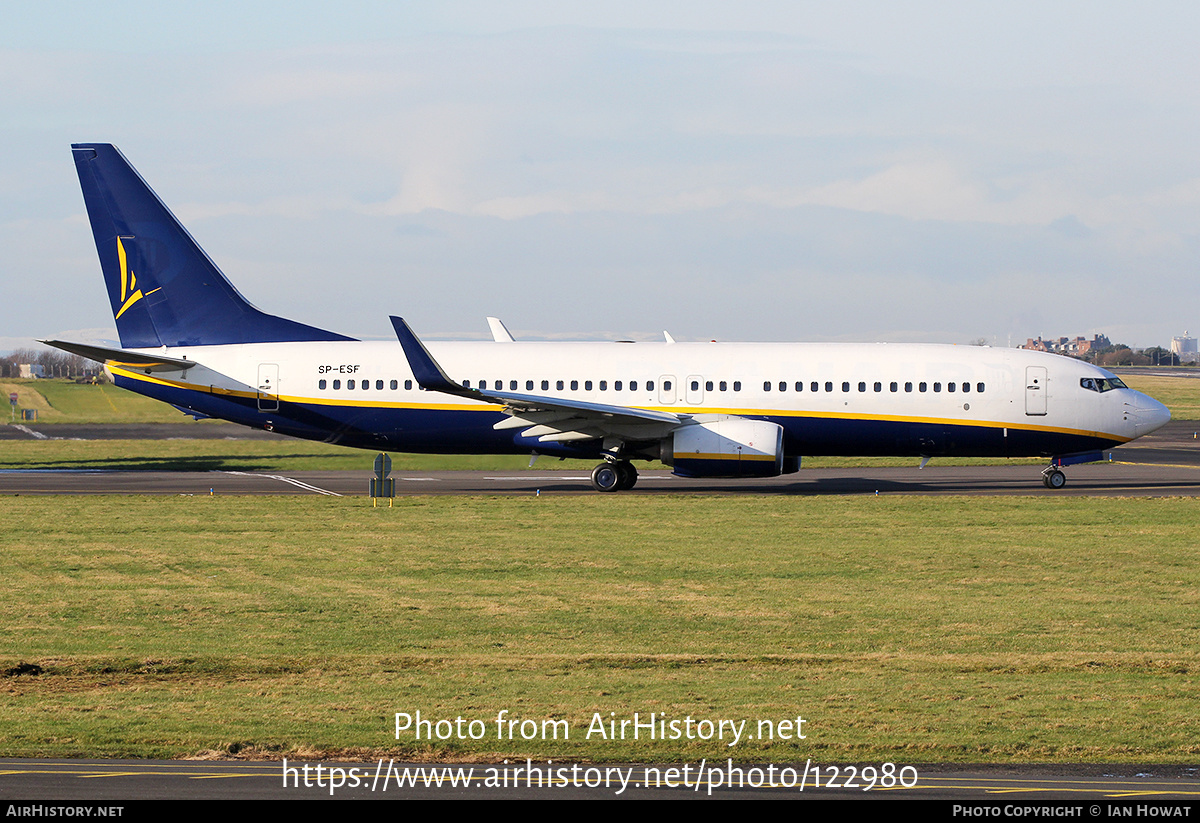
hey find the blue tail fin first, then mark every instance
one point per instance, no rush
(164, 289)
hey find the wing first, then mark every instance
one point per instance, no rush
(550, 419)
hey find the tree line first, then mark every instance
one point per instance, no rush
(54, 363)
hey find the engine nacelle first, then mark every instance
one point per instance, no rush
(726, 446)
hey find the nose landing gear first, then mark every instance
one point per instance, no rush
(1053, 478)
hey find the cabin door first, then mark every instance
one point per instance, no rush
(1035, 389)
(268, 387)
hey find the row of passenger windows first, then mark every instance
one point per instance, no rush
(709, 385)
(893, 386)
(365, 385)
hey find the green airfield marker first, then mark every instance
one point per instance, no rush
(381, 484)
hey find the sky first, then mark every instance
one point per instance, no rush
(807, 171)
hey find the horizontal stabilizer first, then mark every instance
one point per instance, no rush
(120, 357)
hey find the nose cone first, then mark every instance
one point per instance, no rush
(1148, 413)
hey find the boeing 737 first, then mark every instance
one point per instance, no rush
(188, 338)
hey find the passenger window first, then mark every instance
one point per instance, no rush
(979, 387)
(708, 384)
(966, 387)
(862, 386)
(649, 385)
(767, 385)
(828, 385)
(616, 385)
(587, 385)
(559, 385)
(574, 385)
(937, 387)
(603, 385)
(498, 385)
(922, 386)
(337, 384)
(878, 386)
(633, 385)
(321, 384)
(512, 385)
(366, 384)
(528, 385)
(815, 386)
(695, 385)
(799, 386)
(845, 385)
(395, 384)
(908, 387)
(950, 386)
(379, 385)
(737, 385)
(894, 386)
(723, 385)
(349, 384)
(408, 385)
(545, 385)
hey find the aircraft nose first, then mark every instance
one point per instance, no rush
(1149, 414)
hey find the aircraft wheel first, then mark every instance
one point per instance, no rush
(606, 477)
(629, 475)
(1054, 479)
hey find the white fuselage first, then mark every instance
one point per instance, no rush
(985, 400)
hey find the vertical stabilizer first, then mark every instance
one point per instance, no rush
(164, 290)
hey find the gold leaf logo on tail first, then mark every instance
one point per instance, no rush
(130, 293)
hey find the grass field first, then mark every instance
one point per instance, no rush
(65, 401)
(904, 629)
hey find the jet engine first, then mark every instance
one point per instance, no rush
(727, 446)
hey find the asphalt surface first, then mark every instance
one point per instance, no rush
(108, 782)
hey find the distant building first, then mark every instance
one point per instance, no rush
(31, 370)
(1073, 346)
(1185, 348)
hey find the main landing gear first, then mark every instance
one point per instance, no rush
(614, 476)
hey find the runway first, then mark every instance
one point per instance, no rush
(1166, 463)
(109, 782)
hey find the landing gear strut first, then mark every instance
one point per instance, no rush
(614, 476)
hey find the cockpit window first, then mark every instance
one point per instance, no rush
(1101, 384)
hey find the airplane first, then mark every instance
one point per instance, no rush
(188, 338)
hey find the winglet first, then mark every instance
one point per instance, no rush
(500, 333)
(425, 369)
